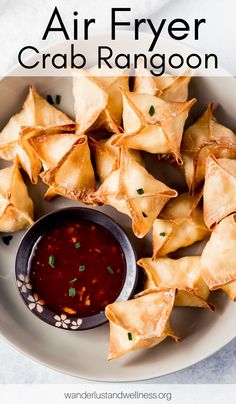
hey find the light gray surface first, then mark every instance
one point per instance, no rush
(219, 36)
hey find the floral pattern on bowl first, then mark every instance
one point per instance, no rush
(64, 322)
(37, 305)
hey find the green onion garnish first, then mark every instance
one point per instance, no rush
(72, 292)
(77, 245)
(49, 99)
(73, 280)
(140, 191)
(151, 110)
(162, 234)
(51, 261)
(144, 214)
(110, 270)
(6, 239)
(82, 268)
(130, 336)
(58, 99)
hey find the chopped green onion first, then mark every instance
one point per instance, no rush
(144, 214)
(140, 191)
(130, 336)
(151, 110)
(6, 239)
(77, 245)
(58, 99)
(162, 234)
(73, 280)
(51, 261)
(49, 99)
(72, 292)
(110, 270)
(81, 268)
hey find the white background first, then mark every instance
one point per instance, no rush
(23, 22)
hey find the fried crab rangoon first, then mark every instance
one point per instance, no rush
(133, 191)
(16, 207)
(98, 99)
(218, 259)
(183, 274)
(140, 323)
(106, 156)
(152, 124)
(167, 87)
(28, 155)
(36, 112)
(66, 161)
(219, 190)
(206, 136)
(179, 224)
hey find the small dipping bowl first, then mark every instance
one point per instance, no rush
(73, 262)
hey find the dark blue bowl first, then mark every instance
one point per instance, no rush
(48, 222)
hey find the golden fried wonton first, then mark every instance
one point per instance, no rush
(135, 192)
(169, 88)
(179, 224)
(183, 274)
(50, 146)
(65, 158)
(73, 175)
(219, 191)
(36, 111)
(16, 207)
(106, 156)
(32, 147)
(26, 155)
(98, 100)
(218, 259)
(152, 124)
(230, 290)
(206, 136)
(140, 323)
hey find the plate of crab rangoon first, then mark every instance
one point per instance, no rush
(117, 220)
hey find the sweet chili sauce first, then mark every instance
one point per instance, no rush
(77, 269)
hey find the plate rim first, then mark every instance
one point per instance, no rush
(102, 380)
(179, 367)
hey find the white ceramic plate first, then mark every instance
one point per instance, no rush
(84, 353)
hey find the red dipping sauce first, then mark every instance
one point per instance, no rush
(77, 269)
